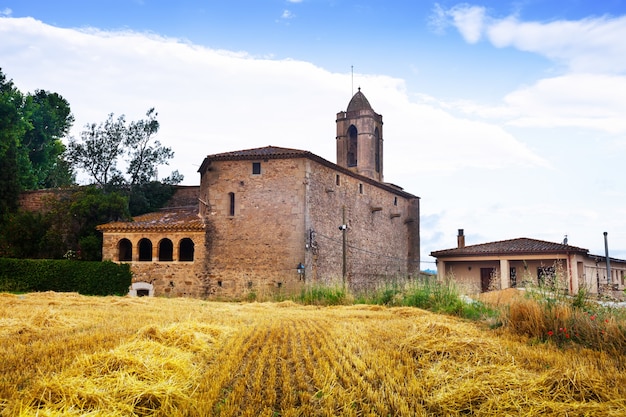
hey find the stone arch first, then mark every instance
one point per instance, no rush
(141, 289)
(124, 250)
(353, 146)
(186, 249)
(166, 250)
(145, 250)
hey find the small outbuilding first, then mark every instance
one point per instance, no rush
(518, 262)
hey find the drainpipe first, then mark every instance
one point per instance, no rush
(608, 260)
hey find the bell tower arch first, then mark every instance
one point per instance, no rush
(360, 138)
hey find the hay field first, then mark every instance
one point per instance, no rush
(65, 354)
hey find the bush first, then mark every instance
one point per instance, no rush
(552, 316)
(88, 278)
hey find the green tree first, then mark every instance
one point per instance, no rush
(102, 146)
(12, 128)
(31, 149)
(51, 119)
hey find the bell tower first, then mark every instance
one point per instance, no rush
(360, 138)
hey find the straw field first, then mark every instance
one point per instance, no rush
(70, 355)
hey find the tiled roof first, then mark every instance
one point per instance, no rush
(520, 246)
(168, 220)
(267, 152)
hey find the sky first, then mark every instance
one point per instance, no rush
(507, 118)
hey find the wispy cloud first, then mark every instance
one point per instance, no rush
(287, 14)
(592, 44)
(6, 12)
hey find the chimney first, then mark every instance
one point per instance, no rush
(460, 239)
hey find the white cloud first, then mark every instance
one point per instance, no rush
(287, 14)
(590, 101)
(469, 20)
(6, 12)
(587, 45)
(214, 101)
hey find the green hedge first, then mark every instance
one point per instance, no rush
(88, 278)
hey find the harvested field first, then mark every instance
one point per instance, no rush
(64, 354)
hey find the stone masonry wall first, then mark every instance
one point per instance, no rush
(170, 278)
(257, 249)
(380, 224)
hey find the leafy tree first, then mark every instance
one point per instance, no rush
(103, 145)
(51, 119)
(12, 128)
(31, 147)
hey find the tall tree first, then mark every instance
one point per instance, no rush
(12, 128)
(51, 119)
(103, 145)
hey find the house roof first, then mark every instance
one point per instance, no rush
(267, 152)
(519, 246)
(184, 219)
(275, 152)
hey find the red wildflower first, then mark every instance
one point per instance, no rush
(550, 333)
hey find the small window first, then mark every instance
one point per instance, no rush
(395, 201)
(231, 209)
(337, 181)
(360, 188)
(256, 168)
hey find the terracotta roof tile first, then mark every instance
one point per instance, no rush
(255, 153)
(167, 220)
(520, 246)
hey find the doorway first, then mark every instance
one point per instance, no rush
(486, 277)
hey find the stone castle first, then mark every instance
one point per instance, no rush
(272, 219)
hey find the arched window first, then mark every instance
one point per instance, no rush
(377, 144)
(166, 250)
(231, 201)
(352, 146)
(145, 250)
(185, 250)
(124, 250)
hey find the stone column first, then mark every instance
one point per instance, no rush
(505, 274)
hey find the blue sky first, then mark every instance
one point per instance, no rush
(506, 118)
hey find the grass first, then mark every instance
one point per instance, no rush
(65, 354)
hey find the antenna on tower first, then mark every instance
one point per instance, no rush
(352, 78)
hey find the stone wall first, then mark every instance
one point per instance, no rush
(382, 228)
(38, 201)
(169, 278)
(259, 247)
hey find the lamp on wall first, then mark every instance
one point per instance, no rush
(300, 269)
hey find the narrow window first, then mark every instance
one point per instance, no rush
(337, 181)
(395, 201)
(231, 209)
(186, 249)
(124, 250)
(256, 168)
(378, 146)
(360, 188)
(166, 250)
(145, 250)
(352, 146)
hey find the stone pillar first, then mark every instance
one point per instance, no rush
(441, 270)
(505, 274)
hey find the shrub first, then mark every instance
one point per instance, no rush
(89, 278)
